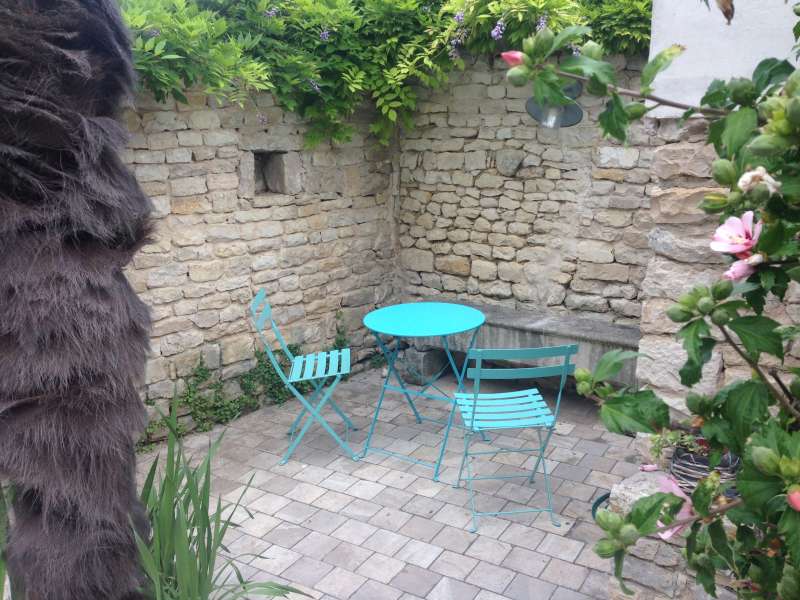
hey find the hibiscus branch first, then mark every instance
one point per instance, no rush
(776, 393)
(705, 110)
(714, 512)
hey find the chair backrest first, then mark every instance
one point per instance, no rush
(561, 369)
(261, 314)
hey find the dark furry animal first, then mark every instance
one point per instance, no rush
(73, 334)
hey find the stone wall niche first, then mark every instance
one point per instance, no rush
(278, 172)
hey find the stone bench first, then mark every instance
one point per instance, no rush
(507, 327)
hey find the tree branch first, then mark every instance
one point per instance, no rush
(717, 112)
(776, 393)
(722, 509)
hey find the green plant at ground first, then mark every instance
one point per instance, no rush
(183, 558)
(669, 438)
(750, 535)
(620, 26)
(263, 382)
(177, 46)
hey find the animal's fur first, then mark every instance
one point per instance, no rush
(73, 334)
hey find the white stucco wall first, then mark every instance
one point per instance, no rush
(760, 29)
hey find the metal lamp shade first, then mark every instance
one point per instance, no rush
(555, 116)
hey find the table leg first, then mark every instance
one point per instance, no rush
(460, 374)
(391, 357)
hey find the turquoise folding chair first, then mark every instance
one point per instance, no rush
(522, 409)
(322, 370)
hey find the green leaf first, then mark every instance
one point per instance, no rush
(660, 62)
(692, 371)
(739, 128)
(773, 238)
(705, 492)
(601, 71)
(646, 511)
(746, 405)
(614, 120)
(719, 541)
(756, 488)
(692, 333)
(717, 95)
(758, 334)
(611, 363)
(631, 412)
(771, 71)
(569, 35)
(619, 561)
(789, 528)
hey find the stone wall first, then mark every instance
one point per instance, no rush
(239, 205)
(494, 208)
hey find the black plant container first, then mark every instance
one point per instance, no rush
(688, 468)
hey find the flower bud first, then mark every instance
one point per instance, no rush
(723, 171)
(606, 548)
(528, 45)
(608, 520)
(793, 112)
(543, 42)
(688, 300)
(635, 110)
(628, 534)
(705, 305)
(584, 388)
(768, 143)
(592, 50)
(792, 85)
(582, 374)
(720, 317)
(793, 497)
(679, 314)
(722, 289)
(765, 459)
(714, 203)
(789, 468)
(518, 75)
(768, 107)
(743, 91)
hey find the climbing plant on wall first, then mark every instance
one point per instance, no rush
(324, 59)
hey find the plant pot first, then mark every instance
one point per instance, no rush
(688, 468)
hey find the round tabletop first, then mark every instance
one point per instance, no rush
(423, 319)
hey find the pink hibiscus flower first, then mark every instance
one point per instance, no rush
(737, 236)
(668, 485)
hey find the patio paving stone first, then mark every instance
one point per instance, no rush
(382, 529)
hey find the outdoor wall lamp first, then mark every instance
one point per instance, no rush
(554, 116)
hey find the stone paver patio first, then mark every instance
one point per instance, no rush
(381, 529)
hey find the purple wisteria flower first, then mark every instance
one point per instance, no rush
(152, 33)
(271, 13)
(457, 40)
(542, 22)
(314, 86)
(497, 32)
(575, 49)
(459, 17)
(324, 35)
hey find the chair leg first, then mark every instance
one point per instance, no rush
(463, 462)
(549, 492)
(347, 422)
(471, 490)
(304, 411)
(444, 442)
(314, 415)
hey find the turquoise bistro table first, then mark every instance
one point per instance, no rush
(420, 320)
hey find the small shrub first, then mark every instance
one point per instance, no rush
(182, 559)
(620, 26)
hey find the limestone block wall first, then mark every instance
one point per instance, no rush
(494, 208)
(240, 205)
